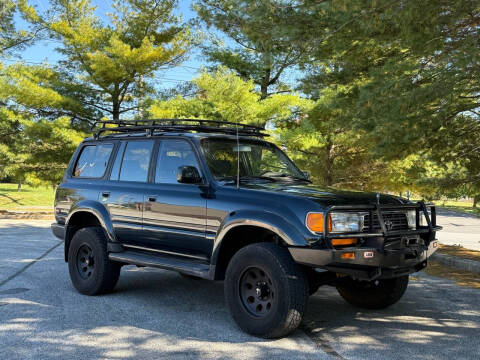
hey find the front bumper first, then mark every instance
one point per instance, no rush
(384, 251)
(367, 263)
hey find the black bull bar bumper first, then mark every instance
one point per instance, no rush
(380, 261)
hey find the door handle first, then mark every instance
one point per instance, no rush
(152, 198)
(105, 194)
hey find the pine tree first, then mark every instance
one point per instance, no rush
(256, 48)
(114, 62)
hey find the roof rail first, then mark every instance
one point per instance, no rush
(150, 126)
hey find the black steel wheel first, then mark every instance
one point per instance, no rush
(265, 290)
(85, 261)
(91, 271)
(257, 291)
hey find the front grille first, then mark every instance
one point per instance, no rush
(397, 220)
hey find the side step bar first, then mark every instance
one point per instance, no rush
(163, 262)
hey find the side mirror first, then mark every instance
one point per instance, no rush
(306, 174)
(188, 175)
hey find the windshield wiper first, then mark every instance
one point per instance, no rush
(292, 177)
(246, 178)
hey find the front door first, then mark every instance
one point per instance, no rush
(123, 195)
(174, 217)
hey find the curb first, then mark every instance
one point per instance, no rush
(35, 215)
(457, 262)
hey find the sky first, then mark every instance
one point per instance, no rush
(44, 51)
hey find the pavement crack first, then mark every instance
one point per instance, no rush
(13, 291)
(315, 334)
(11, 277)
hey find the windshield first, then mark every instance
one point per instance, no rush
(259, 160)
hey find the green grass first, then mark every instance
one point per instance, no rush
(461, 206)
(464, 206)
(28, 199)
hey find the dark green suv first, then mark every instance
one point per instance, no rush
(213, 200)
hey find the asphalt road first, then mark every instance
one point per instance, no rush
(157, 314)
(459, 229)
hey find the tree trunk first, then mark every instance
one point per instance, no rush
(476, 198)
(19, 186)
(116, 110)
(266, 76)
(329, 159)
(263, 90)
(116, 102)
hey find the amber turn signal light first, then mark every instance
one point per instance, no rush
(347, 255)
(315, 222)
(344, 242)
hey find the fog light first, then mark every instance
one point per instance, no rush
(343, 242)
(347, 255)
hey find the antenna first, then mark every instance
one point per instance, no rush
(238, 159)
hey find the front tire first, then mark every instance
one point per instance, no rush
(90, 269)
(189, 277)
(376, 294)
(265, 290)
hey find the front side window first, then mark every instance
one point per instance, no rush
(256, 160)
(173, 154)
(93, 161)
(136, 161)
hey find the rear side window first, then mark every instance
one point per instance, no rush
(118, 162)
(136, 161)
(93, 161)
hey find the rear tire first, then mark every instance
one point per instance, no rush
(376, 294)
(265, 290)
(91, 271)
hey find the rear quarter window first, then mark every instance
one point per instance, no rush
(93, 161)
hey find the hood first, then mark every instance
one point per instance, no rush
(326, 196)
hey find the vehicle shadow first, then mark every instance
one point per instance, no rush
(432, 321)
(151, 314)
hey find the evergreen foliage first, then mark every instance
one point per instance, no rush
(387, 96)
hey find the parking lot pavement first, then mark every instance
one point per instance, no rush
(158, 314)
(459, 229)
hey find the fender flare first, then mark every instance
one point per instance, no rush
(283, 228)
(100, 212)
(96, 209)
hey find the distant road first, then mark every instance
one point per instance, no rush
(459, 229)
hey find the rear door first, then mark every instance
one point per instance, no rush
(174, 217)
(123, 195)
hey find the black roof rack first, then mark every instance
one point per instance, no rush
(149, 127)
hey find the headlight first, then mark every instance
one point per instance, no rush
(422, 220)
(346, 221)
(412, 219)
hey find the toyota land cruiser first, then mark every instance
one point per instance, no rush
(213, 200)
